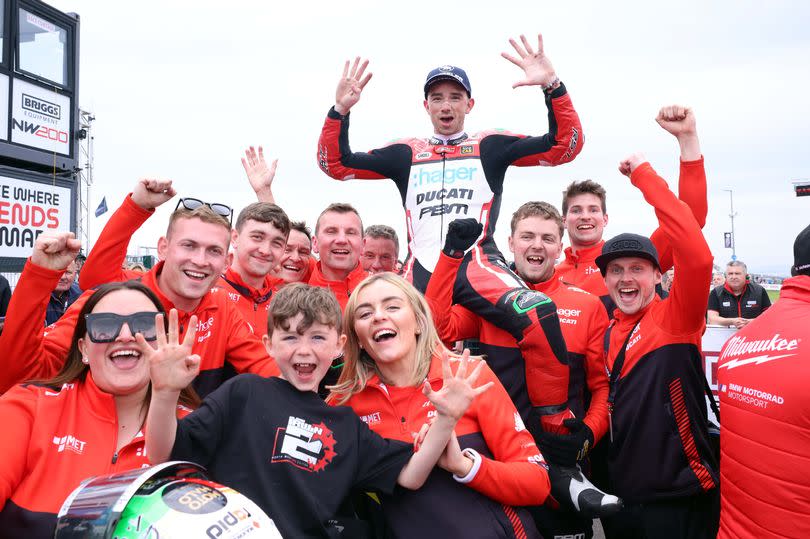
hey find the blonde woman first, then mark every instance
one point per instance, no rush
(491, 466)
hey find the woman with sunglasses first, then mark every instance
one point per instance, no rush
(88, 419)
(487, 472)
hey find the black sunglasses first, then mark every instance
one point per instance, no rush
(105, 327)
(219, 209)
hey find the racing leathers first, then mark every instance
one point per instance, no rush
(441, 180)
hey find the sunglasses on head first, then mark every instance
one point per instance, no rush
(219, 209)
(105, 327)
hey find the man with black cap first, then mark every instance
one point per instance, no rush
(762, 374)
(659, 457)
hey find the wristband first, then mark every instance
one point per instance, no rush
(550, 85)
(476, 458)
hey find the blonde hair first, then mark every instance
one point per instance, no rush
(359, 367)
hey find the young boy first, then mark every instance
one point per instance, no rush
(274, 439)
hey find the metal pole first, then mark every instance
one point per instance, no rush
(732, 215)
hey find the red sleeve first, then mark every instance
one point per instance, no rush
(685, 310)
(453, 322)
(28, 351)
(564, 140)
(104, 261)
(597, 415)
(337, 160)
(514, 476)
(246, 352)
(691, 190)
(17, 417)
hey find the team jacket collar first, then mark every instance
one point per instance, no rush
(452, 140)
(629, 320)
(434, 375)
(99, 403)
(587, 254)
(150, 280)
(548, 287)
(354, 277)
(730, 291)
(259, 296)
(797, 288)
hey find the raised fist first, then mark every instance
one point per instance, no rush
(55, 250)
(150, 193)
(461, 235)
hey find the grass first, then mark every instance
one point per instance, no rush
(773, 295)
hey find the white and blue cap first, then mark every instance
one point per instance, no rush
(448, 72)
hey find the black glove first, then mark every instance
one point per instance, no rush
(567, 449)
(461, 235)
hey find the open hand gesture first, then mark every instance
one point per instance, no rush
(535, 64)
(259, 174)
(457, 392)
(629, 163)
(677, 120)
(172, 366)
(149, 193)
(55, 250)
(351, 85)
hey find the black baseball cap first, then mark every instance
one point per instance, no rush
(448, 72)
(626, 245)
(801, 253)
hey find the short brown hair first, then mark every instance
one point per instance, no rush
(339, 207)
(203, 213)
(301, 226)
(264, 212)
(543, 210)
(584, 187)
(317, 304)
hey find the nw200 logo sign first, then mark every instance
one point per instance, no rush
(43, 131)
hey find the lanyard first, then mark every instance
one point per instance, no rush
(613, 375)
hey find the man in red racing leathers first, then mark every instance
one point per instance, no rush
(454, 174)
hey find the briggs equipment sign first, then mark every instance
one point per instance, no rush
(39, 118)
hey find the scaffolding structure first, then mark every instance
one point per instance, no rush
(84, 178)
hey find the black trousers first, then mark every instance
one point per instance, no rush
(692, 517)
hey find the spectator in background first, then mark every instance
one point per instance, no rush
(666, 279)
(380, 249)
(297, 262)
(718, 279)
(738, 301)
(63, 296)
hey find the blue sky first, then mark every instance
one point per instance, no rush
(179, 89)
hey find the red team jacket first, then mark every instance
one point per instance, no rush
(762, 374)
(224, 340)
(511, 474)
(341, 289)
(53, 440)
(583, 322)
(660, 446)
(253, 304)
(580, 269)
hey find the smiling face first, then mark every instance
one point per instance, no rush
(339, 241)
(295, 260)
(379, 254)
(585, 221)
(386, 325)
(195, 257)
(447, 105)
(118, 367)
(631, 283)
(304, 355)
(258, 248)
(536, 244)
